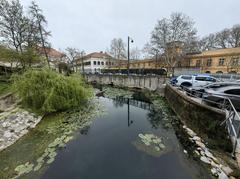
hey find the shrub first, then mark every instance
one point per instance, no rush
(46, 91)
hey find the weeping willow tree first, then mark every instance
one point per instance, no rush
(46, 91)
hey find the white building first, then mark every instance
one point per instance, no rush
(95, 62)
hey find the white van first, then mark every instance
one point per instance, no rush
(194, 80)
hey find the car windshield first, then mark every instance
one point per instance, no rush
(186, 77)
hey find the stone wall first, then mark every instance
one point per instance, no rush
(150, 82)
(203, 119)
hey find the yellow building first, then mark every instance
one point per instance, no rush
(216, 61)
(211, 61)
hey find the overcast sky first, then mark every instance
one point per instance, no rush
(92, 24)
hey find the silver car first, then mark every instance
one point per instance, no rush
(217, 96)
(199, 90)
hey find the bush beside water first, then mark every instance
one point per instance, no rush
(46, 91)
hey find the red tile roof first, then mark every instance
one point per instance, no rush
(51, 52)
(97, 55)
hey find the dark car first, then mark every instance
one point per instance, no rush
(217, 96)
(198, 91)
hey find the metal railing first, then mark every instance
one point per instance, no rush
(232, 120)
(233, 123)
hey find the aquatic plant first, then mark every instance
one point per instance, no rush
(113, 93)
(48, 91)
(150, 144)
(63, 130)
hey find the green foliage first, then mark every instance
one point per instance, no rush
(28, 56)
(4, 87)
(8, 54)
(47, 91)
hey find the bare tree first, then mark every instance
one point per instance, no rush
(234, 38)
(72, 55)
(40, 22)
(135, 53)
(222, 38)
(227, 38)
(13, 25)
(178, 29)
(208, 42)
(117, 48)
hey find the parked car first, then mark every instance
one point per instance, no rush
(199, 90)
(195, 80)
(218, 95)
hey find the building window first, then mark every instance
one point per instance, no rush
(209, 62)
(98, 62)
(94, 62)
(106, 63)
(221, 61)
(235, 61)
(198, 63)
(87, 63)
(102, 63)
(179, 64)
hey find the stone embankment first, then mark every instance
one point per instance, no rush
(217, 169)
(14, 122)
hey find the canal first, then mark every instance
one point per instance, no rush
(128, 139)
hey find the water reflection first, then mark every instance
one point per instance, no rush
(155, 118)
(84, 131)
(120, 101)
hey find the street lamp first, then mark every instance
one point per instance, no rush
(128, 55)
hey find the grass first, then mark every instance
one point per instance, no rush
(4, 87)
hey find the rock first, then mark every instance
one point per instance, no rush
(184, 151)
(214, 165)
(200, 144)
(5, 124)
(196, 138)
(222, 175)
(184, 127)
(7, 134)
(205, 160)
(202, 153)
(196, 152)
(209, 154)
(214, 171)
(190, 132)
(227, 170)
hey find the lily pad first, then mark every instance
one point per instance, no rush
(150, 144)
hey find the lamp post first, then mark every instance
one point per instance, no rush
(128, 53)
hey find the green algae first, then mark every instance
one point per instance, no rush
(24, 169)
